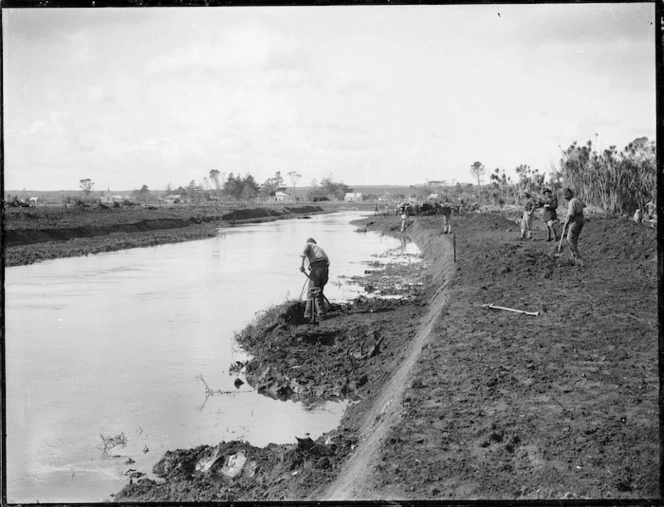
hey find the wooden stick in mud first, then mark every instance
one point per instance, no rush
(454, 244)
(493, 307)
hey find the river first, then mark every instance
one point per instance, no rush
(117, 345)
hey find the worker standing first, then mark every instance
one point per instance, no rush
(549, 214)
(446, 211)
(318, 275)
(574, 223)
(527, 218)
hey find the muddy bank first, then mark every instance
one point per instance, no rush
(495, 404)
(36, 234)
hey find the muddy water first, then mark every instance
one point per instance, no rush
(118, 345)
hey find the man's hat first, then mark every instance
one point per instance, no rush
(568, 192)
(311, 240)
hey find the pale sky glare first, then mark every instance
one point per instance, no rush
(364, 94)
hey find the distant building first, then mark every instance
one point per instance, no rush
(281, 196)
(433, 197)
(353, 196)
(172, 199)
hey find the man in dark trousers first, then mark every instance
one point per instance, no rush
(574, 224)
(550, 205)
(319, 270)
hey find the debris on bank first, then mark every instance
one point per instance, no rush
(235, 470)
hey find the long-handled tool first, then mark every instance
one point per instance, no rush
(303, 287)
(562, 236)
(494, 307)
(324, 296)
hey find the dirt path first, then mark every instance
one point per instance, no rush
(383, 415)
(387, 409)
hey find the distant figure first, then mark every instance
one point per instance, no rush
(404, 215)
(574, 223)
(318, 274)
(527, 218)
(638, 216)
(376, 210)
(446, 211)
(387, 210)
(550, 217)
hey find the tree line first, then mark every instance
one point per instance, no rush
(617, 182)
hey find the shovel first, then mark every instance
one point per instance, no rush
(326, 300)
(562, 236)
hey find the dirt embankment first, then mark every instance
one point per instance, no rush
(455, 400)
(561, 405)
(36, 234)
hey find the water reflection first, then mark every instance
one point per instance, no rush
(117, 343)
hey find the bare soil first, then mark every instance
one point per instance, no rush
(453, 400)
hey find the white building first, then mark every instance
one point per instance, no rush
(281, 196)
(353, 196)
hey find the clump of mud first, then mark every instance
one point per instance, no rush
(296, 360)
(237, 470)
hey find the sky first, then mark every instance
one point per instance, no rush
(365, 95)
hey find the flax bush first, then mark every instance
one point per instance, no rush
(616, 182)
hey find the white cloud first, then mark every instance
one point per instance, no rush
(54, 125)
(242, 48)
(344, 82)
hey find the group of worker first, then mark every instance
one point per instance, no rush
(319, 262)
(549, 203)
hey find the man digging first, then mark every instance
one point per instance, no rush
(574, 224)
(318, 274)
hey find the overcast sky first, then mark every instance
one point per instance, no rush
(364, 94)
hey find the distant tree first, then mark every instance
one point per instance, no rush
(272, 185)
(216, 178)
(233, 186)
(616, 181)
(279, 180)
(294, 177)
(333, 189)
(478, 170)
(194, 192)
(249, 187)
(86, 185)
(141, 195)
(530, 180)
(314, 190)
(241, 188)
